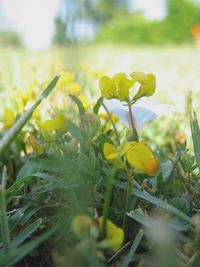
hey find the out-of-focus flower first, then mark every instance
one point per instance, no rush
(114, 236)
(65, 78)
(180, 137)
(8, 117)
(196, 30)
(84, 101)
(110, 152)
(143, 111)
(36, 146)
(141, 158)
(58, 124)
(116, 87)
(74, 88)
(147, 84)
(81, 225)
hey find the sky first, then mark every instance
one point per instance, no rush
(34, 19)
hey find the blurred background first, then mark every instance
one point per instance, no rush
(159, 36)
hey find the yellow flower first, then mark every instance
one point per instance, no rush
(147, 84)
(140, 157)
(74, 88)
(8, 117)
(58, 124)
(114, 235)
(116, 87)
(65, 78)
(84, 101)
(36, 146)
(81, 225)
(110, 152)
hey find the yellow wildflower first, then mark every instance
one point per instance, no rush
(74, 88)
(65, 78)
(8, 117)
(116, 87)
(110, 152)
(140, 157)
(36, 146)
(147, 84)
(81, 225)
(58, 124)
(114, 235)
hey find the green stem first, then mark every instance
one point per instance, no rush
(128, 198)
(135, 134)
(107, 200)
(3, 216)
(113, 124)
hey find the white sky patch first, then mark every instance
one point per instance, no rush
(152, 9)
(33, 19)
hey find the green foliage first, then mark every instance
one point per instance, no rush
(10, 39)
(135, 29)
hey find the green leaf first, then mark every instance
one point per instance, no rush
(195, 137)
(151, 222)
(156, 201)
(25, 117)
(79, 104)
(133, 248)
(50, 87)
(15, 255)
(24, 234)
(98, 105)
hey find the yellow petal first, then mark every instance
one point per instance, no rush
(36, 146)
(110, 152)
(81, 225)
(122, 84)
(114, 235)
(138, 155)
(151, 166)
(8, 117)
(45, 132)
(147, 84)
(107, 87)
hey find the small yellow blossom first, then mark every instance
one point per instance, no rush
(8, 117)
(66, 78)
(84, 101)
(147, 84)
(73, 88)
(81, 225)
(110, 152)
(36, 146)
(114, 235)
(116, 87)
(141, 158)
(58, 124)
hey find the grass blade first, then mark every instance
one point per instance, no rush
(195, 137)
(16, 128)
(133, 249)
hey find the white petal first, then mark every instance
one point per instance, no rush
(144, 111)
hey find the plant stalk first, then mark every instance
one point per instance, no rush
(3, 215)
(113, 124)
(135, 134)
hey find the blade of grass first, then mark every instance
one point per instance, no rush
(156, 201)
(15, 255)
(16, 128)
(195, 137)
(133, 249)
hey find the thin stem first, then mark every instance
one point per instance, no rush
(135, 134)
(107, 200)
(3, 216)
(113, 124)
(128, 198)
